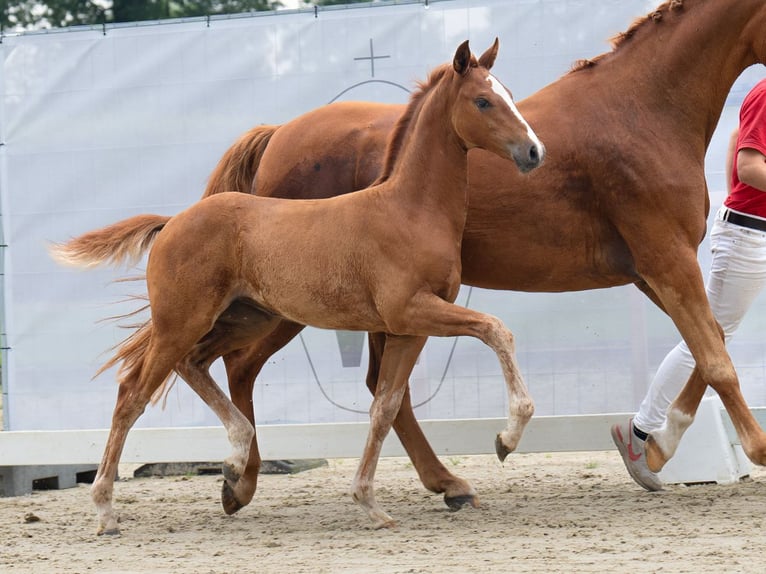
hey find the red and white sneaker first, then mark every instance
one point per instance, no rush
(632, 450)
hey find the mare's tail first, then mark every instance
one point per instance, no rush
(122, 242)
(236, 169)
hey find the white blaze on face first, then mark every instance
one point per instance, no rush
(500, 90)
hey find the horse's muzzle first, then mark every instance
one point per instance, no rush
(529, 157)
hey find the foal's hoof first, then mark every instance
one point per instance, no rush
(455, 503)
(500, 449)
(229, 500)
(381, 524)
(109, 532)
(229, 473)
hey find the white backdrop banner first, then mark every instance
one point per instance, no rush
(98, 125)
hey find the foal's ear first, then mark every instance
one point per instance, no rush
(488, 57)
(462, 61)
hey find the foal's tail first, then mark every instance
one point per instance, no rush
(131, 356)
(236, 169)
(123, 242)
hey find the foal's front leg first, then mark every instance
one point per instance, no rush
(430, 315)
(397, 362)
(432, 473)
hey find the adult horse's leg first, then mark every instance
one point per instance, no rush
(433, 474)
(679, 286)
(242, 369)
(661, 444)
(396, 364)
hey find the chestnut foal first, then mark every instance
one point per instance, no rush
(385, 259)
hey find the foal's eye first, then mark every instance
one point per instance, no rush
(482, 103)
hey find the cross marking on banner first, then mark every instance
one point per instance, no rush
(372, 57)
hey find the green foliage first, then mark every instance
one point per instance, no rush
(137, 10)
(32, 14)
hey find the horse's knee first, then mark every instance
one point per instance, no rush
(720, 376)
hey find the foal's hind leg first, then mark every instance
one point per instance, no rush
(134, 393)
(433, 474)
(129, 407)
(242, 369)
(396, 365)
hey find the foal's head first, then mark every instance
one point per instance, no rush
(485, 115)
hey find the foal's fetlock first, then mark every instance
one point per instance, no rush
(230, 473)
(504, 445)
(508, 439)
(108, 526)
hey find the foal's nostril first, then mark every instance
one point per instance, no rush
(534, 154)
(528, 157)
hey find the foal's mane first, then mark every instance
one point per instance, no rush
(396, 139)
(620, 39)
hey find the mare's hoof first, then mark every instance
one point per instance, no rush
(455, 503)
(228, 500)
(109, 532)
(655, 458)
(500, 449)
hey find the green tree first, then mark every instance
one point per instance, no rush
(137, 10)
(27, 14)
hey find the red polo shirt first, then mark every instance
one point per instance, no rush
(752, 134)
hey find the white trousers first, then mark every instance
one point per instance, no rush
(737, 275)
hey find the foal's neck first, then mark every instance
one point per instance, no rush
(430, 171)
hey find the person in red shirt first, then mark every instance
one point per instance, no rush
(737, 276)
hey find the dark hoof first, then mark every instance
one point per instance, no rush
(502, 452)
(228, 500)
(110, 532)
(455, 503)
(229, 474)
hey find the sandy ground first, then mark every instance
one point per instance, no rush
(574, 512)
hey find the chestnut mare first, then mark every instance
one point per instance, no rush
(629, 206)
(383, 260)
